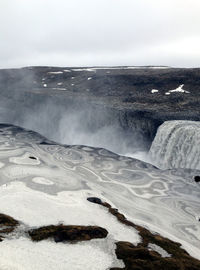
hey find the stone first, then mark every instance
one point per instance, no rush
(140, 257)
(31, 157)
(7, 225)
(94, 200)
(62, 233)
(197, 178)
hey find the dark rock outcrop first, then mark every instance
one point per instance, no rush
(7, 225)
(32, 157)
(141, 258)
(94, 200)
(62, 233)
(197, 178)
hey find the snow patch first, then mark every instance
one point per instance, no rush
(23, 254)
(42, 181)
(159, 250)
(36, 208)
(25, 159)
(61, 89)
(84, 69)
(55, 72)
(179, 89)
(154, 91)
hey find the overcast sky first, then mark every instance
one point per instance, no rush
(99, 32)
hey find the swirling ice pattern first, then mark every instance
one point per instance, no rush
(177, 145)
(165, 201)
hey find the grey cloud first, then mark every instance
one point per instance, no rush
(99, 32)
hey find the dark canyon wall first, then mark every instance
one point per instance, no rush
(112, 106)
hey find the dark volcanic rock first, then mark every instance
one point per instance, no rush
(31, 157)
(6, 220)
(197, 178)
(68, 233)
(140, 257)
(7, 225)
(94, 200)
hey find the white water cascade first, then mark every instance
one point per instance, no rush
(177, 145)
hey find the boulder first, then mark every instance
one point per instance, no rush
(62, 233)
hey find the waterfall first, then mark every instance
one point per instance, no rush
(177, 145)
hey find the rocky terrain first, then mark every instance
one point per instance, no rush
(137, 98)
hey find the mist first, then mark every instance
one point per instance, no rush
(83, 126)
(74, 123)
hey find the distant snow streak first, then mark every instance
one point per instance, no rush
(55, 72)
(154, 91)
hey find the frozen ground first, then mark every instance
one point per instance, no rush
(42, 184)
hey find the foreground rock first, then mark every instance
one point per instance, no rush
(7, 225)
(153, 253)
(197, 179)
(62, 233)
(141, 257)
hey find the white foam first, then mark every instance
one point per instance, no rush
(140, 155)
(177, 145)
